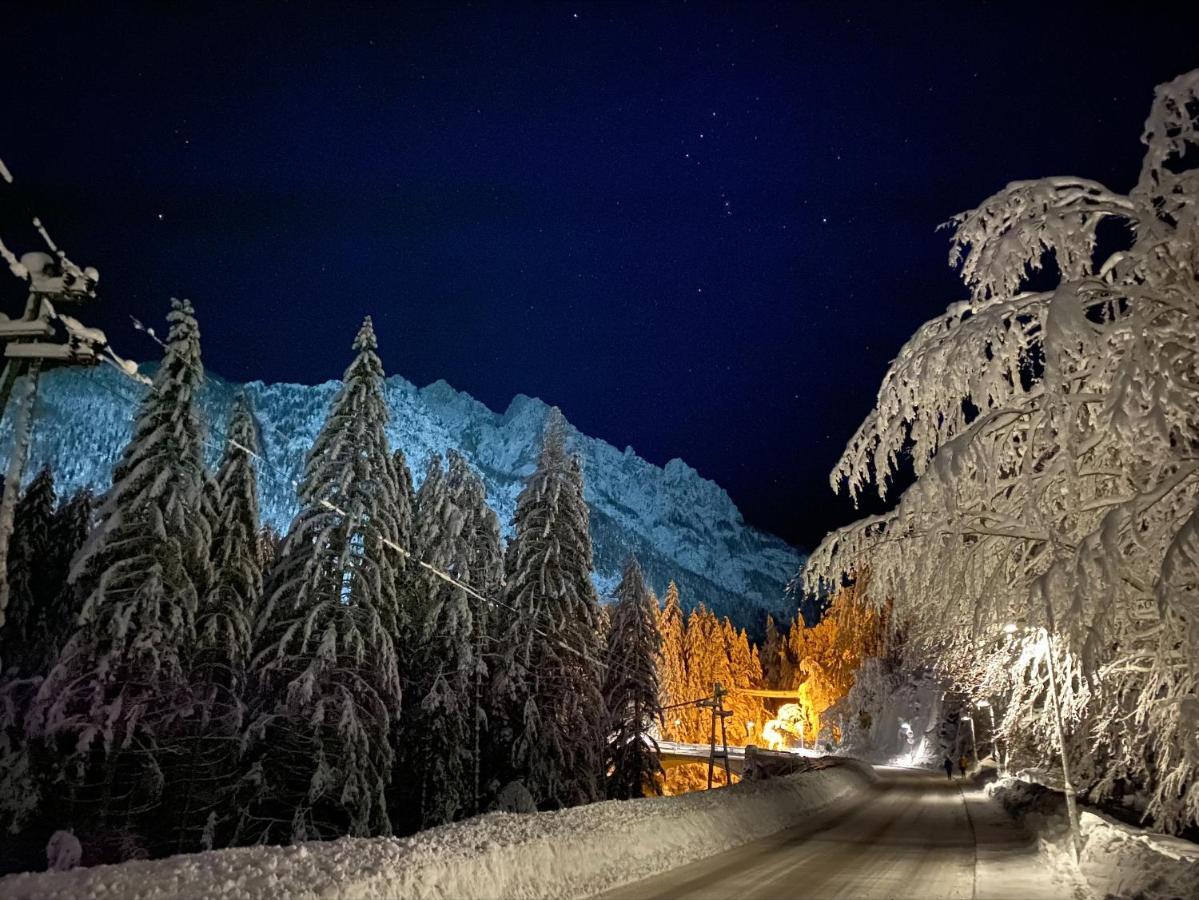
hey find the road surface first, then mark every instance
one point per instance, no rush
(918, 836)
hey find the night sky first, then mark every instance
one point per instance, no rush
(701, 230)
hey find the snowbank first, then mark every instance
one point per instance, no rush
(1117, 860)
(569, 853)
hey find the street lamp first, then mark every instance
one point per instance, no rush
(973, 739)
(1071, 800)
(986, 704)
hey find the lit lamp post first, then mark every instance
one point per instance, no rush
(986, 704)
(1071, 801)
(973, 739)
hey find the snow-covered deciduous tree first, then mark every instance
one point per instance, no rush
(325, 668)
(549, 671)
(1055, 440)
(630, 689)
(119, 689)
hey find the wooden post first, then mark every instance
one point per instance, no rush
(724, 738)
(716, 704)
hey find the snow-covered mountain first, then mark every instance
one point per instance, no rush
(680, 525)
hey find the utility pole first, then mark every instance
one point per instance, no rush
(29, 344)
(716, 704)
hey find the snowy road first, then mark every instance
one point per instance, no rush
(918, 836)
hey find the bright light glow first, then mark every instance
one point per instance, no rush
(779, 733)
(1009, 628)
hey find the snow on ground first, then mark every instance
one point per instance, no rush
(567, 853)
(1117, 860)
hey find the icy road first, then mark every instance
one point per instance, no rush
(918, 836)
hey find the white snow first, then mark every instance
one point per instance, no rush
(569, 853)
(63, 851)
(14, 265)
(1117, 860)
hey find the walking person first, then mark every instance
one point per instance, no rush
(949, 768)
(963, 763)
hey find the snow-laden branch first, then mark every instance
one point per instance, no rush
(1053, 435)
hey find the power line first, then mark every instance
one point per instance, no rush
(407, 554)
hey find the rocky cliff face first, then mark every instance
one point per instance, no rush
(680, 525)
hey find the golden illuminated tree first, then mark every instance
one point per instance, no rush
(672, 662)
(820, 661)
(697, 653)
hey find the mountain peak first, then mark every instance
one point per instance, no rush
(681, 525)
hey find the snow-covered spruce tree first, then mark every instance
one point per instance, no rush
(269, 542)
(1055, 440)
(482, 565)
(405, 495)
(772, 653)
(21, 653)
(204, 771)
(672, 662)
(483, 550)
(630, 690)
(113, 703)
(326, 675)
(438, 722)
(43, 609)
(549, 670)
(456, 532)
(34, 579)
(69, 532)
(224, 623)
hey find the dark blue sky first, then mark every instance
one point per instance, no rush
(702, 230)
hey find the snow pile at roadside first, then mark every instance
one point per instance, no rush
(568, 853)
(1117, 860)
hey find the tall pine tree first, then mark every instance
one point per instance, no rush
(441, 720)
(483, 567)
(551, 670)
(69, 532)
(405, 496)
(119, 690)
(630, 689)
(325, 665)
(672, 662)
(225, 622)
(202, 774)
(34, 579)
